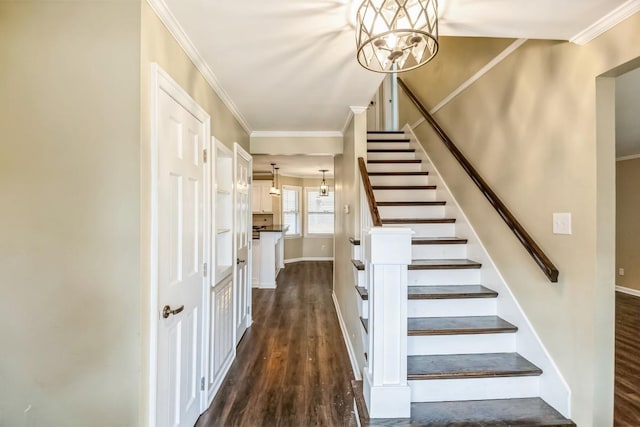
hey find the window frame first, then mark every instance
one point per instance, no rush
(306, 213)
(299, 212)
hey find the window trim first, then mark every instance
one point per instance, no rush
(306, 233)
(297, 189)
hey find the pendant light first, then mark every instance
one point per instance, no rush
(274, 190)
(324, 188)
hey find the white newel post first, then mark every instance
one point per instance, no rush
(386, 391)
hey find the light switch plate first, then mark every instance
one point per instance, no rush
(562, 223)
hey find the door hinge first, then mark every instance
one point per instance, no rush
(202, 383)
(205, 269)
(204, 155)
(250, 179)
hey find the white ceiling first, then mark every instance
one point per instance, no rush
(298, 166)
(627, 114)
(289, 65)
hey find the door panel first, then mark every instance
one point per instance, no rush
(180, 260)
(242, 239)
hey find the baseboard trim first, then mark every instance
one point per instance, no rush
(628, 291)
(347, 341)
(309, 258)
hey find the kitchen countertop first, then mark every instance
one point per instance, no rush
(275, 228)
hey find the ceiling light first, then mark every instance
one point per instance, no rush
(274, 190)
(396, 35)
(324, 188)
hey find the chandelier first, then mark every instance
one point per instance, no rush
(274, 190)
(324, 188)
(396, 35)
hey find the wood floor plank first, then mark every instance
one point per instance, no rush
(627, 370)
(292, 367)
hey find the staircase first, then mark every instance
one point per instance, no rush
(463, 364)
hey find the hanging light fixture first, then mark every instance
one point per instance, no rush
(396, 35)
(274, 190)
(324, 188)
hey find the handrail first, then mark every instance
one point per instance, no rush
(368, 189)
(527, 241)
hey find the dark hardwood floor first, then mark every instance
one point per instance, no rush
(627, 377)
(292, 367)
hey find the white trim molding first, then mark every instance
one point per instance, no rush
(296, 134)
(631, 157)
(607, 22)
(345, 335)
(471, 80)
(176, 30)
(628, 291)
(308, 258)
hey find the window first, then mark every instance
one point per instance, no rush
(291, 210)
(319, 212)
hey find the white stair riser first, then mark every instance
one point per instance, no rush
(461, 344)
(388, 145)
(394, 167)
(401, 155)
(356, 253)
(387, 135)
(359, 277)
(363, 306)
(404, 195)
(400, 180)
(430, 230)
(439, 251)
(436, 211)
(465, 276)
(474, 389)
(451, 307)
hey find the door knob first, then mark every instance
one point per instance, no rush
(239, 261)
(166, 311)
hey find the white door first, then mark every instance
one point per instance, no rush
(242, 239)
(181, 187)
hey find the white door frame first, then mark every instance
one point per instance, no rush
(161, 81)
(238, 150)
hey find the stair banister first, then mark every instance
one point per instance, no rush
(523, 236)
(386, 253)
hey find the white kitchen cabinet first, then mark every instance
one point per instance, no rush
(262, 201)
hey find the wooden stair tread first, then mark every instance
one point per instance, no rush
(438, 241)
(529, 412)
(392, 150)
(451, 292)
(392, 140)
(358, 264)
(483, 365)
(463, 325)
(441, 292)
(418, 220)
(443, 264)
(397, 173)
(385, 131)
(412, 203)
(354, 241)
(394, 161)
(403, 187)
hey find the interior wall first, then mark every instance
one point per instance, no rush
(627, 224)
(348, 225)
(159, 46)
(70, 217)
(529, 127)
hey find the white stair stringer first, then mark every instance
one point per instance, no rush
(550, 386)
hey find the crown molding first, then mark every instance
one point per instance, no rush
(296, 134)
(178, 33)
(345, 127)
(607, 22)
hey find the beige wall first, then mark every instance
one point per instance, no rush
(70, 219)
(529, 127)
(347, 185)
(627, 224)
(302, 247)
